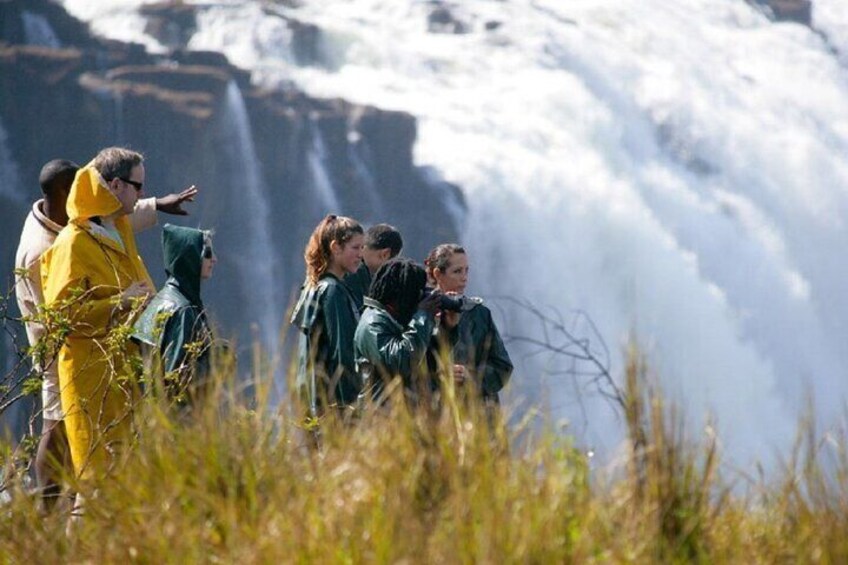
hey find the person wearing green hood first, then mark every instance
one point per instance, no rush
(173, 329)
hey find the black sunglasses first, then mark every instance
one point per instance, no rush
(138, 185)
(207, 252)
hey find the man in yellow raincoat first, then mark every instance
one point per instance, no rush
(94, 276)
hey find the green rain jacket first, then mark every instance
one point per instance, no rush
(174, 323)
(326, 317)
(381, 343)
(359, 283)
(478, 345)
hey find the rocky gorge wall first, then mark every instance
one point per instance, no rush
(269, 163)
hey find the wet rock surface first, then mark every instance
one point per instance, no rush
(798, 11)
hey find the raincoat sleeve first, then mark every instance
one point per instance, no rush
(400, 354)
(144, 216)
(178, 337)
(494, 367)
(339, 328)
(90, 308)
(29, 295)
(358, 283)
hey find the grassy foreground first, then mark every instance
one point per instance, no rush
(233, 484)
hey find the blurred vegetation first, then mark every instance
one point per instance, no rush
(233, 480)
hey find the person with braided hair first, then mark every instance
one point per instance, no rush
(326, 316)
(393, 334)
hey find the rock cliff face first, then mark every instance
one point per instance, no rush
(270, 163)
(798, 11)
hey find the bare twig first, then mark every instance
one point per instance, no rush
(585, 356)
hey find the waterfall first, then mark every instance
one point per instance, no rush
(112, 102)
(37, 30)
(254, 255)
(359, 157)
(450, 198)
(671, 167)
(118, 105)
(322, 185)
(116, 19)
(829, 18)
(10, 180)
(12, 197)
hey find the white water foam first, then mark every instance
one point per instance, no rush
(673, 167)
(255, 261)
(10, 178)
(322, 184)
(116, 19)
(37, 30)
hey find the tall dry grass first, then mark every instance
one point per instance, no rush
(237, 482)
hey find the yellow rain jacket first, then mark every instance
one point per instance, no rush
(83, 274)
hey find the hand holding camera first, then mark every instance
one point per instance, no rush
(430, 301)
(450, 316)
(447, 302)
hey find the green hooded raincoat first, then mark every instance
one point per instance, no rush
(359, 283)
(326, 317)
(477, 344)
(381, 343)
(174, 324)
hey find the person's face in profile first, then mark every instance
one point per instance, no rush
(208, 262)
(349, 255)
(129, 189)
(375, 258)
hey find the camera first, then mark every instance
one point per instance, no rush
(446, 302)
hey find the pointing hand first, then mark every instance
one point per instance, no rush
(173, 203)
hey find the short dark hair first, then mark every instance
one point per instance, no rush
(399, 282)
(58, 173)
(116, 162)
(384, 236)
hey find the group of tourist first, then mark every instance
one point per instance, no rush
(365, 316)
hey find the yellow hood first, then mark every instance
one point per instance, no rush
(90, 196)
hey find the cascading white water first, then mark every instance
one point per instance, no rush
(11, 192)
(112, 102)
(37, 31)
(357, 155)
(831, 18)
(256, 260)
(674, 168)
(322, 184)
(116, 19)
(118, 105)
(10, 183)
